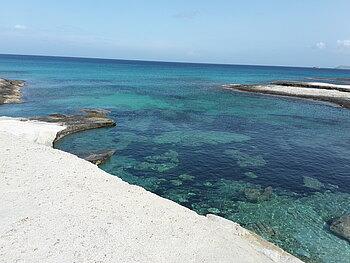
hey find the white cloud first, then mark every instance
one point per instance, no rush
(320, 45)
(343, 43)
(20, 27)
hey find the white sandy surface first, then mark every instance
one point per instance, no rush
(56, 207)
(329, 85)
(302, 91)
(34, 131)
(329, 90)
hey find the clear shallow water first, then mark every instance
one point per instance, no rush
(280, 167)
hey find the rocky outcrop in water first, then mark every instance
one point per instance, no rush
(341, 226)
(334, 93)
(10, 91)
(98, 157)
(89, 119)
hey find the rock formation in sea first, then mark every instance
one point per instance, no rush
(319, 91)
(98, 157)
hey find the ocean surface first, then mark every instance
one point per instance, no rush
(278, 166)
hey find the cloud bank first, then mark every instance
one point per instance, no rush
(20, 27)
(344, 43)
(320, 45)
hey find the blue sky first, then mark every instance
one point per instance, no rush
(270, 32)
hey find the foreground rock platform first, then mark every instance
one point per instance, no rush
(56, 207)
(10, 91)
(319, 91)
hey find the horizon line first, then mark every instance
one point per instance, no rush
(164, 61)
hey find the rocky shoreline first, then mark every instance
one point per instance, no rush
(319, 91)
(10, 91)
(86, 214)
(47, 130)
(89, 119)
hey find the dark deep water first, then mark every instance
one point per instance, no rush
(180, 135)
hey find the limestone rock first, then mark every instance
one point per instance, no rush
(99, 157)
(76, 123)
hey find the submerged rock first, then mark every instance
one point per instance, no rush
(341, 226)
(246, 160)
(160, 163)
(312, 183)
(178, 195)
(214, 210)
(10, 91)
(99, 157)
(77, 123)
(176, 182)
(186, 177)
(263, 229)
(194, 138)
(162, 167)
(171, 156)
(96, 111)
(256, 195)
(251, 175)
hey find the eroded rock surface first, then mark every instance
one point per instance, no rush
(341, 226)
(76, 123)
(10, 91)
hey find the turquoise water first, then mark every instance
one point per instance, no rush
(278, 166)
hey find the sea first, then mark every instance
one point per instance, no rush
(278, 166)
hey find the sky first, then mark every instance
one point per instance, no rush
(254, 32)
